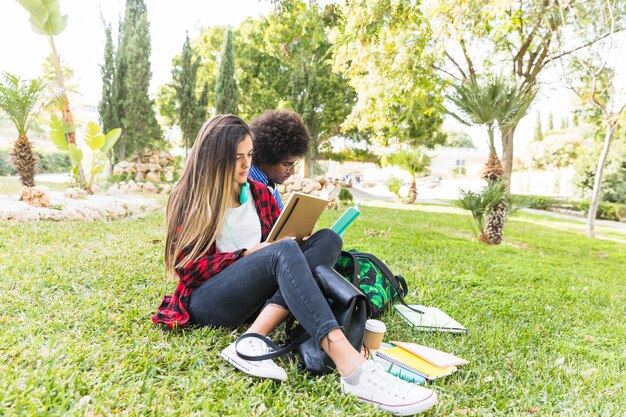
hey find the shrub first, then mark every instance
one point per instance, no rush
(606, 211)
(47, 163)
(394, 185)
(345, 195)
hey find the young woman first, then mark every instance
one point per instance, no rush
(217, 223)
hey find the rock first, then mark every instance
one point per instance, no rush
(135, 188)
(166, 189)
(34, 196)
(281, 188)
(311, 186)
(153, 177)
(169, 176)
(75, 193)
(148, 187)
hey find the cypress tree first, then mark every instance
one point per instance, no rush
(538, 130)
(106, 107)
(141, 129)
(226, 93)
(184, 82)
(201, 108)
(550, 122)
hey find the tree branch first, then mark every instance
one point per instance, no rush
(606, 35)
(446, 72)
(456, 65)
(470, 65)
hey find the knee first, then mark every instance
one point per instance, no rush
(330, 239)
(287, 247)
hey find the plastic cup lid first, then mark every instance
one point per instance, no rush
(375, 326)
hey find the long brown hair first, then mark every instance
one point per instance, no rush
(198, 202)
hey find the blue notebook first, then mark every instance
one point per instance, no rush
(396, 368)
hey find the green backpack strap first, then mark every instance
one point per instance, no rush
(354, 279)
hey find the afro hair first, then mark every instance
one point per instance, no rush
(278, 134)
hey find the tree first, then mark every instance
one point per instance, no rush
(21, 101)
(141, 130)
(550, 122)
(538, 130)
(383, 49)
(184, 82)
(595, 82)
(226, 93)
(518, 34)
(413, 160)
(497, 100)
(46, 19)
(457, 139)
(107, 105)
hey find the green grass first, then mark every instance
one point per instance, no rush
(546, 314)
(9, 185)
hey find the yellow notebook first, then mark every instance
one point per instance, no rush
(415, 363)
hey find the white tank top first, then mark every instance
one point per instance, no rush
(241, 229)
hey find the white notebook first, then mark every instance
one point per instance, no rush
(433, 319)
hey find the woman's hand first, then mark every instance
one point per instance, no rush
(256, 248)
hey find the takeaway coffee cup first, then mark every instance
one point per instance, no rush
(374, 333)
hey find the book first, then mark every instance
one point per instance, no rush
(409, 361)
(431, 320)
(433, 356)
(400, 371)
(345, 220)
(298, 217)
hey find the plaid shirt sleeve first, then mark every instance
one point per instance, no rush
(173, 309)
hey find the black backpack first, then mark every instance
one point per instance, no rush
(369, 274)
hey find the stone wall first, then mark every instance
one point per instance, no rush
(311, 186)
(156, 173)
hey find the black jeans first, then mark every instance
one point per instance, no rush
(278, 274)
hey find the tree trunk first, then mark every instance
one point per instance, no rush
(410, 199)
(312, 157)
(597, 183)
(507, 154)
(24, 160)
(70, 135)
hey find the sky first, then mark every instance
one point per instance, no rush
(81, 47)
(81, 44)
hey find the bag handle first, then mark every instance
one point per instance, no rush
(401, 287)
(357, 268)
(278, 351)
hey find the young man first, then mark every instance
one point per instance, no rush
(280, 141)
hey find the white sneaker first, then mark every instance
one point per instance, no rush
(254, 347)
(389, 393)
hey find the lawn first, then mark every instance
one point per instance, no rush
(546, 314)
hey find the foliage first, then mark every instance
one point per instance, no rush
(47, 163)
(283, 63)
(458, 139)
(550, 294)
(21, 100)
(606, 210)
(415, 161)
(614, 177)
(345, 195)
(188, 110)
(394, 184)
(135, 111)
(383, 49)
(482, 203)
(106, 107)
(226, 92)
(94, 138)
(556, 151)
(538, 129)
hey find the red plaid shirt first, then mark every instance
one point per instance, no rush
(173, 310)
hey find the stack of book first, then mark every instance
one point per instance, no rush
(416, 363)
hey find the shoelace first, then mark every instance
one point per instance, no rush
(258, 349)
(387, 382)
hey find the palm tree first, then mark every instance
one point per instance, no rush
(482, 205)
(414, 161)
(21, 100)
(500, 101)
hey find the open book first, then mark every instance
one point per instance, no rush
(298, 217)
(300, 214)
(432, 320)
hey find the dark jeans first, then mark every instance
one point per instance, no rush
(278, 274)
